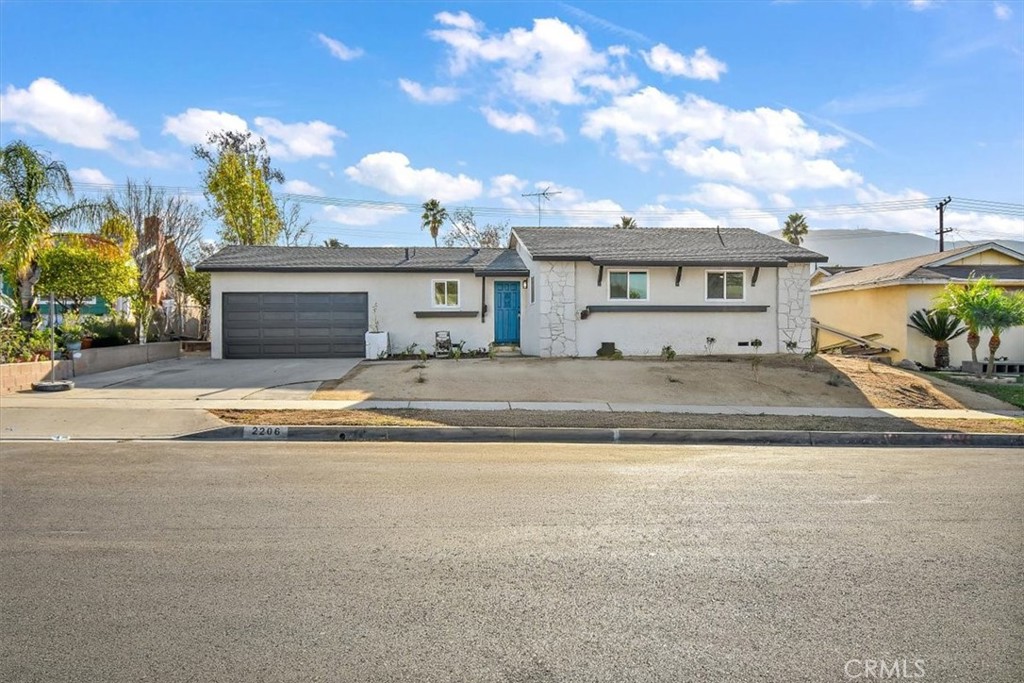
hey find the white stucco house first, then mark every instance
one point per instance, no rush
(552, 292)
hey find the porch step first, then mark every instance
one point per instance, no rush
(506, 350)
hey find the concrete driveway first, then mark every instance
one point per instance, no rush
(203, 379)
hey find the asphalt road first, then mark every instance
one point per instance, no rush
(363, 562)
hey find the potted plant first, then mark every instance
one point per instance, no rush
(378, 343)
(71, 333)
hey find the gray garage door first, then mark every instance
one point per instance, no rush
(302, 325)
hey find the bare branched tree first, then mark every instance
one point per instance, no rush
(465, 233)
(181, 221)
(295, 227)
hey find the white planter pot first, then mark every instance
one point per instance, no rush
(378, 345)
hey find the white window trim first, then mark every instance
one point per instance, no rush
(458, 293)
(724, 287)
(608, 290)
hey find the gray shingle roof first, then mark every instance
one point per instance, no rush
(662, 246)
(365, 259)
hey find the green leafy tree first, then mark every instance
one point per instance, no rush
(939, 326)
(334, 242)
(79, 267)
(969, 303)
(237, 184)
(434, 216)
(627, 222)
(795, 228)
(36, 195)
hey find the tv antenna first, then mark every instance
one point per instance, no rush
(545, 194)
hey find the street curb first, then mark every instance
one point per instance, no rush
(605, 435)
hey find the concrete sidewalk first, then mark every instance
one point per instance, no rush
(29, 415)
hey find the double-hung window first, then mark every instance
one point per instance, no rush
(725, 285)
(627, 285)
(446, 293)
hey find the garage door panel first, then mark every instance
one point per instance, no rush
(294, 325)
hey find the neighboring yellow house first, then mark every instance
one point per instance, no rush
(879, 299)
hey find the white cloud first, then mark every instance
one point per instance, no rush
(1002, 11)
(504, 185)
(92, 176)
(392, 173)
(75, 119)
(618, 51)
(339, 49)
(661, 216)
(359, 215)
(772, 169)
(434, 95)
(766, 148)
(287, 141)
(700, 66)
(298, 140)
(552, 63)
(463, 20)
(193, 126)
(920, 5)
(520, 122)
(721, 196)
(302, 187)
(780, 200)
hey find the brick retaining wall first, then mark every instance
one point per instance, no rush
(20, 376)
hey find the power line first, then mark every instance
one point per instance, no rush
(886, 206)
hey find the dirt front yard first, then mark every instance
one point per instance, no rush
(767, 380)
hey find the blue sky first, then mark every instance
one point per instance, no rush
(680, 114)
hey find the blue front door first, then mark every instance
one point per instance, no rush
(506, 312)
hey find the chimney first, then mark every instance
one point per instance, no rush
(151, 231)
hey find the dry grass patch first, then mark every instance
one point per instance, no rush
(536, 418)
(761, 380)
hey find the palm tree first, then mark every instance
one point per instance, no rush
(33, 193)
(939, 326)
(434, 216)
(794, 229)
(1003, 312)
(969, 302)
(627, 222)
(334, 242)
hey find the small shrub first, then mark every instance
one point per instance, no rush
(709, 345)
(423, 355)
(675, 380)
(457, 352)
(755, 367)
(421, 378)
(834, 380)
(13, 343)
(667, 352)
(616, 355)
(492, 352)
(757, 344)
(791, 346)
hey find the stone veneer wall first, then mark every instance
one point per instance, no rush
(557, 308)
(794, 312)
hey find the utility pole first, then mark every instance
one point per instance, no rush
(941, 232)
(547, 194)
